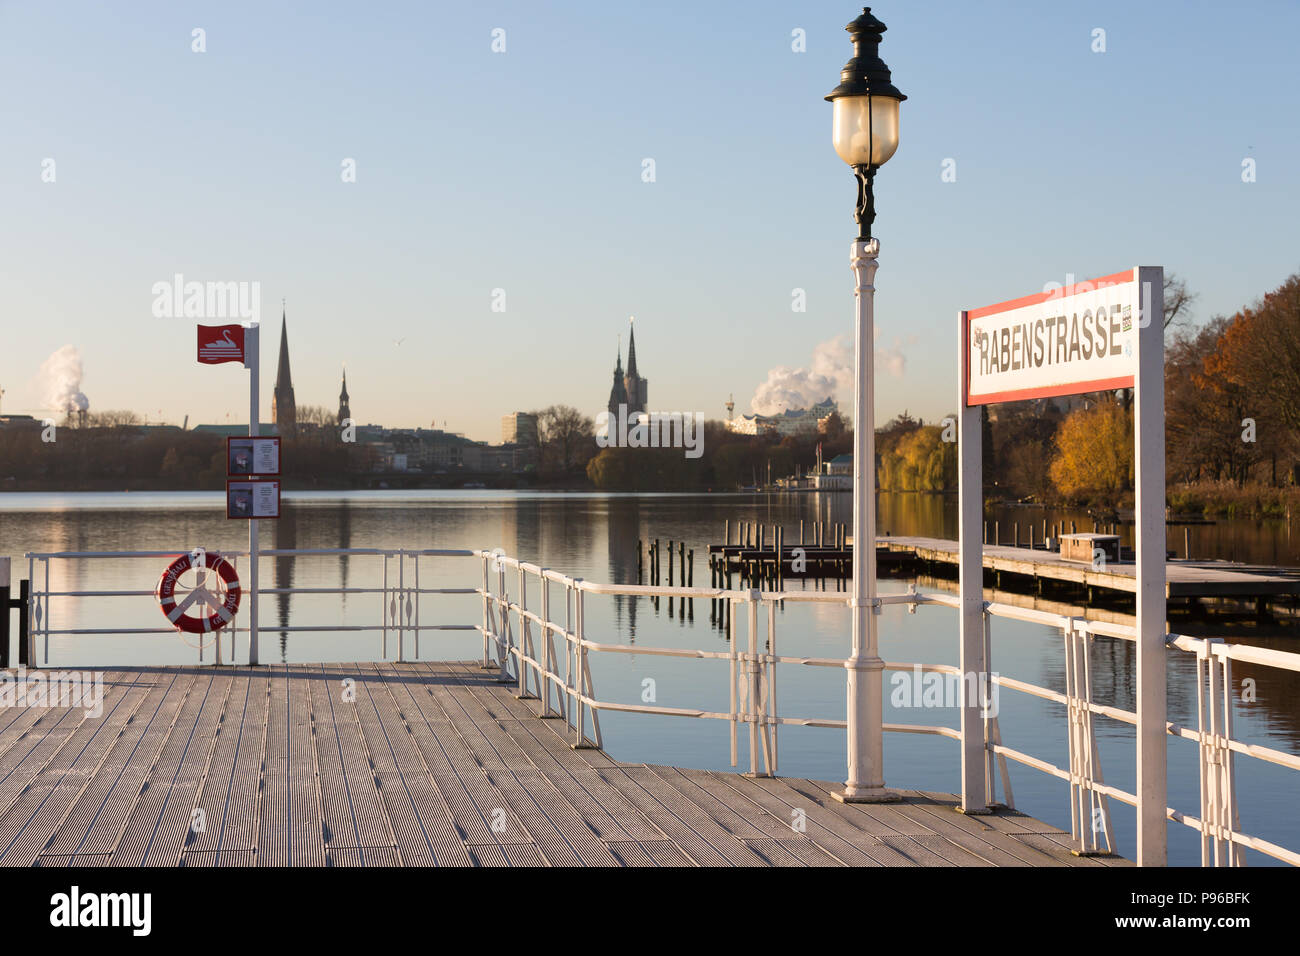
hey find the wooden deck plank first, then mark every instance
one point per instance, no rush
(35, 816)
(241, 822)
(409, 836)
(606, 811)
(427, 764)
(307, 832)
(96, 800)
(472, 799)
(106, 829)
(699, 837)
(374, 828)
(431, 809)
(141, 826)
(175, 820)
(558, 827)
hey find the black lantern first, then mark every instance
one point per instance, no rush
(865, 122)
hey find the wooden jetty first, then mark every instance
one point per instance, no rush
(1184, 579)
(421, 764)
(1188, 580)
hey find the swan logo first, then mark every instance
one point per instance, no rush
(221, 343)
(179, 299)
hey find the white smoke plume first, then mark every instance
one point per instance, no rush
(829, 374)
(61, 380)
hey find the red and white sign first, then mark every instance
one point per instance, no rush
(1079, 338)
(221, 343)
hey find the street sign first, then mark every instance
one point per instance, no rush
(221, 343)
(253, 456)
(1097, 335)
(1079, 338)
(252, 498)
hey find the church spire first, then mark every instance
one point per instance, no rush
(345, 410)
(284, 411)
(618, 393)
(631, 348)
(634, 385)
(282, 377)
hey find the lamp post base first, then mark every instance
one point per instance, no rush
(867, 795)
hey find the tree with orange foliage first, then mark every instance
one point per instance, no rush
(1094, 454)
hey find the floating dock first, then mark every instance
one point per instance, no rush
(422, 764)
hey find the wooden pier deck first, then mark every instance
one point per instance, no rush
(428, 764)
(1183, 579)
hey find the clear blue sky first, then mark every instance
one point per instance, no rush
(522, 171)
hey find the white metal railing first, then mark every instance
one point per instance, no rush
(397, 586)
(520, 632)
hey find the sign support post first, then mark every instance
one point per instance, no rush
(970, 588)
(1149, 509)
(252, 361)
(1093, 336)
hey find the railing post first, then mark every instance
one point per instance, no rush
(751, 679)
(525, 630)
(487, 614)
(774, 726)
(580, 665)
(401, 606)
(546, 645)
(503, 625)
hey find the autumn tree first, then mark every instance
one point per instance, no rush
(1094, 454)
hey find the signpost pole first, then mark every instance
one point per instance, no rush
(970, 576)
(252, 361)
(1149, 505)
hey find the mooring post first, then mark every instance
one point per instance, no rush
(4, 617)
(24, 622)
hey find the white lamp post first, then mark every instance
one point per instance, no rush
(865, 134)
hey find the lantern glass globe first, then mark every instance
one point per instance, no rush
(865, 129)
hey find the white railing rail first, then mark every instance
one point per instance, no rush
(397, 585)
(520, 631)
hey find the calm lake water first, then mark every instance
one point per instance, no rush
(595, 536)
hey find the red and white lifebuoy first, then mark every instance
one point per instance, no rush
(176, 611)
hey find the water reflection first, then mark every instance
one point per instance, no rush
(622, 540)
(343, 539)
(286, 538)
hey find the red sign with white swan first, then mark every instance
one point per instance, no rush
(221, 343)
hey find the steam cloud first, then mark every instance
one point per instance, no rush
(829, 374)
(61, 378)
